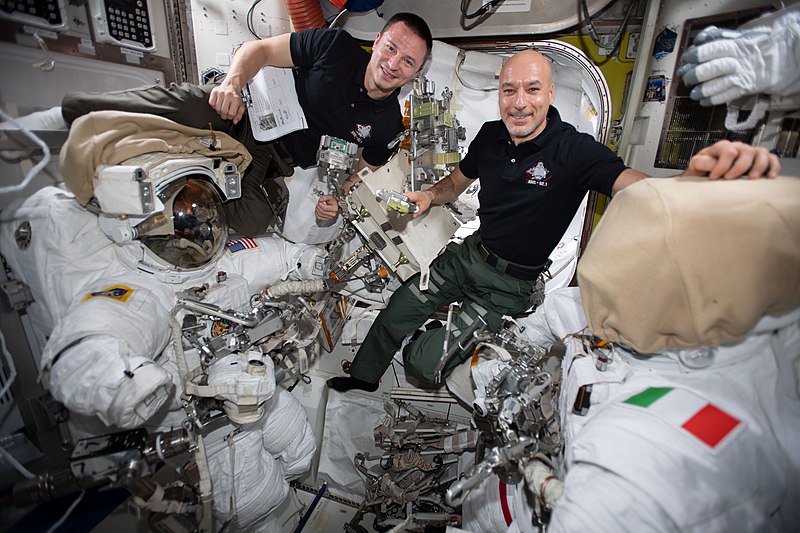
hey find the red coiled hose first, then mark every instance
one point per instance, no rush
(305, 14)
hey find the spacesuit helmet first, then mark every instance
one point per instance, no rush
(166, 213)
(191, 231)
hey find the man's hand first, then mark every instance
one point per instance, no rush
(252, 56)
(227, 102)
(422, 199)
(327, 208)
(443, 191)
(731, 160)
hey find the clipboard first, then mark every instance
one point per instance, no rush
(272, 105)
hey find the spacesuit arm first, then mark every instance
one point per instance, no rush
(100, 359)
(274, 260)
(93, 377)
(595, 499)
(288, 435)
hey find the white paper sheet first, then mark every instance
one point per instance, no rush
(272, 105)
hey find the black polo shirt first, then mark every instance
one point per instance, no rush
(529, 193)
(329, 78)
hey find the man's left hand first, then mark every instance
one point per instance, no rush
(731, 160)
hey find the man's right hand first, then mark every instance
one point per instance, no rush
(226, 100)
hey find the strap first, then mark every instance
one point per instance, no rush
(757, 113)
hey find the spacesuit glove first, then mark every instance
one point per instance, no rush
(727, 64)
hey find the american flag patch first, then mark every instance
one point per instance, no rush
(241, 244)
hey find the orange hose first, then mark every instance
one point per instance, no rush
(305, 14)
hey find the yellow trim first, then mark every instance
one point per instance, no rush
(99, 294)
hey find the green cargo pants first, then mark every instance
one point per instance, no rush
(458, 274)
(264, 193)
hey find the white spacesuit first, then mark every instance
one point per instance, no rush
(689, 419)
(105, 287)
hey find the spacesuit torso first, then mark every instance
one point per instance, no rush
(660, 446)
(722, 432)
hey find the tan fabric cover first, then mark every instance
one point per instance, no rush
(111, 137)
(687, 262)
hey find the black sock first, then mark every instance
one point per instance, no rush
(344, 384)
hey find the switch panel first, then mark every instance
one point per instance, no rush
(48, 14)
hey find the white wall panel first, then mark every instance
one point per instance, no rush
(221, 25)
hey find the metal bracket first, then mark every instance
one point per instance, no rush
(15, 296)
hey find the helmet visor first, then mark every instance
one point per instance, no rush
(192, 231)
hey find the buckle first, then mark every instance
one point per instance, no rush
(486, 255)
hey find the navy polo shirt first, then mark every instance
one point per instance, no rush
(329, 78)
(530, 192)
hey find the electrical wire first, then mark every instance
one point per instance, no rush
(38, 167)
(485, 8)
(593, 32)
(249, 18)
(462, 57)
(336, 18)
(16, 464)
(49, 63)
(72, 507)
(301, 509)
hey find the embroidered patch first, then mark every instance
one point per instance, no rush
(115, 292)
(241, 244)
(220, 327)
(703, 420)
(362, 132)
(538, 175)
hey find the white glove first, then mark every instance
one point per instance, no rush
(728, 64)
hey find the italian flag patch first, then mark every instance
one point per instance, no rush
(703, 420)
